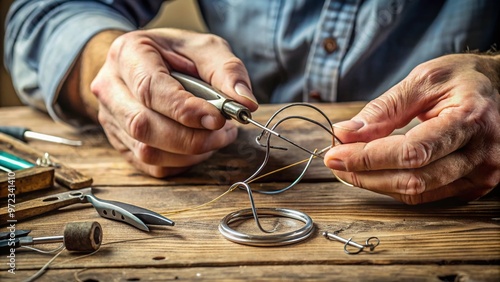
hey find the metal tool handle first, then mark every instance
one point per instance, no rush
(228, 107)
(110, 210)
(133, 215)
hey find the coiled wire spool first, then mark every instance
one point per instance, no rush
(266, 240)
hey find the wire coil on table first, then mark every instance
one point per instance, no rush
(266, 240)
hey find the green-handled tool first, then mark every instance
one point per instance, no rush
(22, 176)
(12, 162)
(64, 174)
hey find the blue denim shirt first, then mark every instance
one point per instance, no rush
(294, 50)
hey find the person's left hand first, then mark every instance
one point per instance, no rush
(454, 152)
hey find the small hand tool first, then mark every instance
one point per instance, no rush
(12, 162)
(65, 175)
(22, 176)
(228, 107)
(133, 215)
(24, 134)
(4, 169)
(78, 237)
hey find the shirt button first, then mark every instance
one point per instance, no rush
(315, 95)
(330, 45)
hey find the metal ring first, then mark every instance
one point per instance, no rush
(266, 240)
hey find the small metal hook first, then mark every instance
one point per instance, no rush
(349, 242)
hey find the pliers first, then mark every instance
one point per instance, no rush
(123, 212)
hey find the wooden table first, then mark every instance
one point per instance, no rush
(434, 242)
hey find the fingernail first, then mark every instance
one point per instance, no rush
(208, 122)
(349, 125)
(336, 164)
(244, 91)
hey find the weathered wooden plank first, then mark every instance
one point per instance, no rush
(26, 180)
(434, 242)
(313, 272)
(64, 174)
(429, 234)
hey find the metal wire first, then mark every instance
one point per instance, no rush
(268, 145)
(269, 239)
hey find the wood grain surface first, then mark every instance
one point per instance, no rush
(66, 175)
(443, 241)
(27, 180)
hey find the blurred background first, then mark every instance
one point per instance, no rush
(177, 13)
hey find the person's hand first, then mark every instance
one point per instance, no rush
(454, 152)
(148, 116)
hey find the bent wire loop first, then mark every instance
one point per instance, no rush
(270, 239)
(348, 242)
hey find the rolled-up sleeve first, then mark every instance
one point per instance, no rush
(44, 38)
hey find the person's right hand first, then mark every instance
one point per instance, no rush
(148, 116)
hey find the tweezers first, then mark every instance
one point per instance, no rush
(123, 212)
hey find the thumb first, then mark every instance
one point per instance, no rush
(232, 79)
(379, 118)
(218, 66)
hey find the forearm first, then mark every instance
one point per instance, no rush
(75, 96)
(44, 42)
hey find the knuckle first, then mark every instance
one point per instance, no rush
(385, 109)
(182, 110)
(411, 184)
(137, 125)
(142, 85)
(477, 117)
(127, 37)
(95, 86)
(383, 106)
(355, 180)
(415, 154)
(366, 163)
(100, 85)
(195, 145)
(212, 39)
(233, 63)
(428, 74)
(146, 153)
(102, 119)
(118, 44)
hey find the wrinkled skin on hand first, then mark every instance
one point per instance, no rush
(148, 116)
(453, 152)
